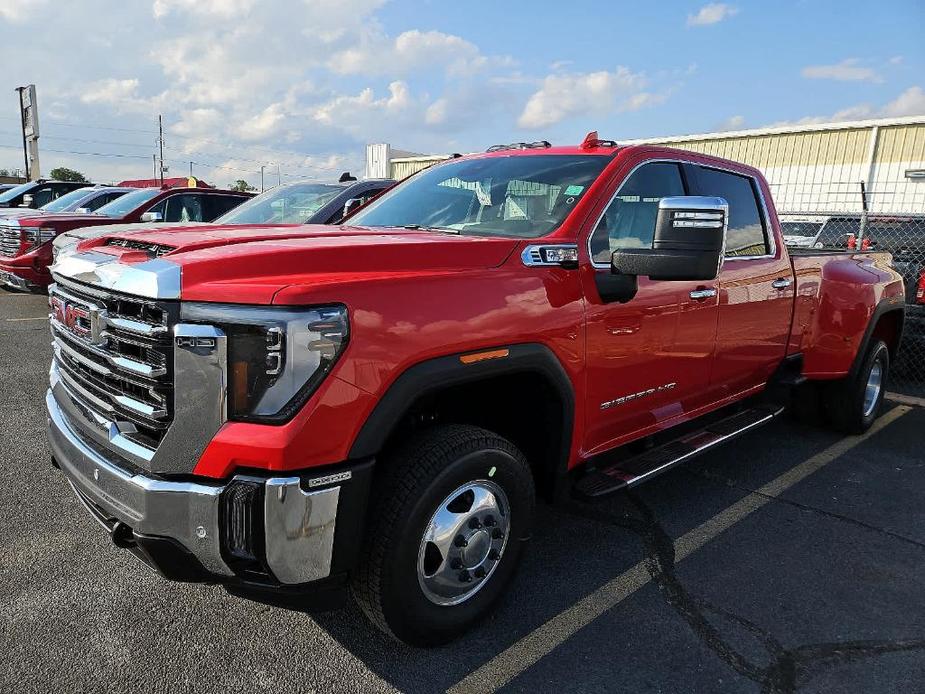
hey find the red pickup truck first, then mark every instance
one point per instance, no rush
(26, 241)
(379, 405)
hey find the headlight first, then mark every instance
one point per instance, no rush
(277, 357)
(36, 236)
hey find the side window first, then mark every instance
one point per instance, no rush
(186, 207)
(629, 220)
(217, 205)
(747, 235)
(99, 201)
(45, 194)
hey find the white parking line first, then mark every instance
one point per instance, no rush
(517, 658)
(906, 399)
(18, 320)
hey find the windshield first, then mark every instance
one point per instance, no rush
(128, 202)
(12, 193)
(67, 202)
(524, 196)
(289, 204)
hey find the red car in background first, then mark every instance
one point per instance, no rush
(25, 242)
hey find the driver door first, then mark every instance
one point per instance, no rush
(648, 360)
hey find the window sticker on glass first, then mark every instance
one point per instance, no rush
(574, 190)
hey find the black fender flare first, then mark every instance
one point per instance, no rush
(888, 305)
(433, 375)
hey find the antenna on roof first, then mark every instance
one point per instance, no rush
(344, 177)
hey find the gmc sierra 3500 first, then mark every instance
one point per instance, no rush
(378, 405)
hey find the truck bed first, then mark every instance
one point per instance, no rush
(837, 293)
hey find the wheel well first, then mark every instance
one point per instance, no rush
(889, 328)
(523, 407)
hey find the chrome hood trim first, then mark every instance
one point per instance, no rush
(153, 279)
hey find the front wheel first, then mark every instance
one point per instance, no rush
(450, 518)
(854, 403)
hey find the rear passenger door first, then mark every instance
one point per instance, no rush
(755, 285)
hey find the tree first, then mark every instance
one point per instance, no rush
(242, 186)
(64, 174)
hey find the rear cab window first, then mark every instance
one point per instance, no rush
(747, 235)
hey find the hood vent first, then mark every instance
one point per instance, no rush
(155, 250)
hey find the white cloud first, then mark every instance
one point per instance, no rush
(732, 123)
(910, 102)
(896, 60)
(600, 93)
(20, 10)
(210, 8)
(109, 91)
(711, 14)
(411, 50)
(848, 70)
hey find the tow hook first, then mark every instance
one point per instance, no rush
(122, 535)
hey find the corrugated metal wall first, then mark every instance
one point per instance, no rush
(810, 168)
(404, 167)
(821, 169)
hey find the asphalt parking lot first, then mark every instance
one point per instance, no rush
(791, 560)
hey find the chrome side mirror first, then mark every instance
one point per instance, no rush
(152, 217)
(82, 210)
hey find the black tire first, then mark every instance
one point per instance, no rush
(417, 477)
(845, 399)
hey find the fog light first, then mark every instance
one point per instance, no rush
(242, 524)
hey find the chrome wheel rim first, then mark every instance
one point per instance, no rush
(872, 390)
(463, 542)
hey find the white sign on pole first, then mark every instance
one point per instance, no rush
(30, 112)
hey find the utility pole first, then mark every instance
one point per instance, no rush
(160, 142)
(261, 178)
(278, 176)
(154, 159)
(191, 169)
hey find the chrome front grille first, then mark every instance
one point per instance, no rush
(9, 241)
(114, 354)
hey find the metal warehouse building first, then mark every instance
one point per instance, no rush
(825, 167)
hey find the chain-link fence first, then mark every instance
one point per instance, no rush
(903, 235)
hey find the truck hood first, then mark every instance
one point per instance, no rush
(78, 217)
(236, 264)
(18, 212)
(92, 232)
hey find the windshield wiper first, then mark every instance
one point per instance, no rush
(416, 227)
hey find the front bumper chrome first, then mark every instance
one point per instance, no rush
(298, 525)
(13, 280)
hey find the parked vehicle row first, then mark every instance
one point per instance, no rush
(31, 239)
(379, 404)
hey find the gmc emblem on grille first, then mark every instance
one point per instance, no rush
(77, 318)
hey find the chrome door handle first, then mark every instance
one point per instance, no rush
(699, 294)
(782, 283)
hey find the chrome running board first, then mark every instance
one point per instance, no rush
(643, 467)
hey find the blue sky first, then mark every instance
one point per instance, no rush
(304, 84)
